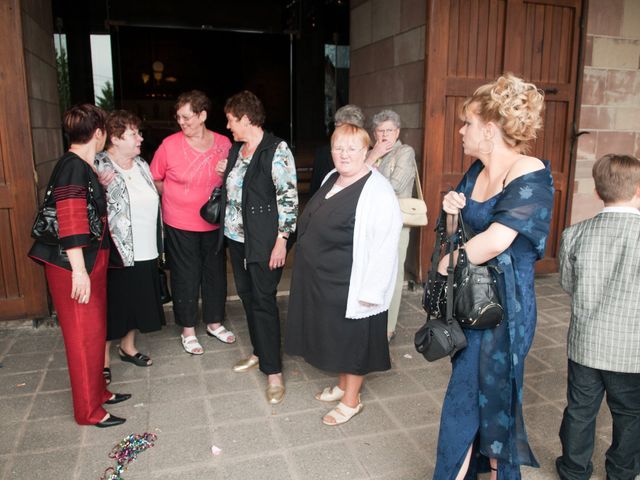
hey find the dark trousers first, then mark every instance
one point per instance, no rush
(585, 390)
(257, 286)
(196, 270)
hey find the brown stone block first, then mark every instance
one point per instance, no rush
(588, 51)
(623, 87)
(583, 169)
(409, 46)
(360, 34)
(631, 20)
(410, 114)
(628, 118)
(593, 86)
(362, 60)
(415, 138)
(357, 90)
(387, 88)
(411, 77)
(385, 16)
(615, 142)
(413, 14)
(587, 145)
(597, 118)
(383, 55)
(605, 17)
(584, 206)
(616, 53)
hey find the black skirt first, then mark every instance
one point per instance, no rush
(133, 299)
(316, 328)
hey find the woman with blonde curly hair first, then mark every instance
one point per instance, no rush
(506, 197)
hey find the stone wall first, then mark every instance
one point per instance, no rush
(387, 61)
(40, 62)
(610, 109)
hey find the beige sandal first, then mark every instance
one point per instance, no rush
(330, 394)
(191, 345)
(342, 414)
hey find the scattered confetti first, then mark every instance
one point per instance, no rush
(20, 385)
(138, 405)
(407, 355)
(126, 452)
(216, 451)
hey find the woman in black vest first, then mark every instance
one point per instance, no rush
(260, 210)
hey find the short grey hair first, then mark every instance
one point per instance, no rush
(349, 114)
(384, 116)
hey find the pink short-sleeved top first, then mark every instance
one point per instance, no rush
(189, 177)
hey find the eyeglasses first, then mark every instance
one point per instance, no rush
(388, 131)
(348, 150)
(184, 118)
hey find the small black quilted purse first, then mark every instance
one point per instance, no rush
(441, 335)
(476, 304)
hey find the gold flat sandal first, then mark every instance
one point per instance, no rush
(275, 394)
(246, 365)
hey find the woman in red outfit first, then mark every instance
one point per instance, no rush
(76, 268)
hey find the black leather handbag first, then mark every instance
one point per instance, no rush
(476, 302)
(441, 335)
(210, 211)
(45, 227)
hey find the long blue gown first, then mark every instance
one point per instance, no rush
(483, 403)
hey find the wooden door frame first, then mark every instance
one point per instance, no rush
(19, 190)
(437, 25)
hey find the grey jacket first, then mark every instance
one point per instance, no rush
(399, 167)
(119, 208)
(600, 269)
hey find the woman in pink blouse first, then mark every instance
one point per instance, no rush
(184, 170)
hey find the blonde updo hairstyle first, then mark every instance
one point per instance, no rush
(511, 103)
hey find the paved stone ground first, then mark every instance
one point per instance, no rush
(193, 403)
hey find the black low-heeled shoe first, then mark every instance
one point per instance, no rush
(106, 373)
(111, 421)
(117, 398)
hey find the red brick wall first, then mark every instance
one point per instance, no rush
(610, 109)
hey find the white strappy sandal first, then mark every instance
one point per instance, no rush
(191, 344)
(342, 414)
(330, 394)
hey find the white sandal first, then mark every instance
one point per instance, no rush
(342, 414)
(191, 344)
(221, 334)
(330, 394)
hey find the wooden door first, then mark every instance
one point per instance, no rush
(22, 287)
(472, 42)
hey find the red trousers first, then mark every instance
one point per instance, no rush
(84, 329)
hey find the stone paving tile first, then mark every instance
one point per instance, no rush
(14, 409)
(330, 461)
(373, 453)
(54, 464)
(194, 402)
(272, 467)
(298, 429)
(20, 383)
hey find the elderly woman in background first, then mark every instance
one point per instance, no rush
(397, 163)
(506, 197)
(133, 207)
(185, 171)
(323, 163)
(343, 275)
(259, 215)
(76, 268)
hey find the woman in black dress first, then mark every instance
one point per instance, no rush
(344, 274)
(133, 208)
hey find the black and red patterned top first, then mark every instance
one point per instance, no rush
(71, 178)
